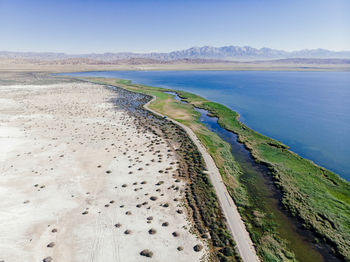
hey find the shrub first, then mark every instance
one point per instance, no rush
(146, 253)
(198, 247)
(227, 251)
(152, 231)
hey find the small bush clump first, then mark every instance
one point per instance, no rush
(146, 253)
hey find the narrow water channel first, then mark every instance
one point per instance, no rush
(264, 195)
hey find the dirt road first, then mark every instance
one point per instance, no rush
(234, 221)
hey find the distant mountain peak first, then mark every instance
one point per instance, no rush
(197, 52)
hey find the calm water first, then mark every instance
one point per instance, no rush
(308, 111)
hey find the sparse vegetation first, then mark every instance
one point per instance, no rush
(51, 244)
(146, 253)
(199, 194)
(199, 247)
(180, 248)
(152, 231)
(47, 259)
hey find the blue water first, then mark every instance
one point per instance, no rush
(308, 111)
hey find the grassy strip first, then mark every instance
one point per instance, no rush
(317, 196)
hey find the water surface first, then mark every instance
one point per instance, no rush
(266, 197)
(308, 111)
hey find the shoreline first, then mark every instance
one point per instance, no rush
(320, 251)
(326, 181)
(270, 165)
(318, 148)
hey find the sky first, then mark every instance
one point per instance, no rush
(99, 26)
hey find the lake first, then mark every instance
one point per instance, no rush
(308, 111)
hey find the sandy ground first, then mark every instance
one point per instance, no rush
(18, 66)
(77, 178)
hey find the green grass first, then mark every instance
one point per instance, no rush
(317, 196)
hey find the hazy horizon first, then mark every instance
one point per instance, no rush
(91, 26)
(149, 52)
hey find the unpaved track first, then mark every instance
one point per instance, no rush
(233, 219)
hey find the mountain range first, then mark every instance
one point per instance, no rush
(228, 53)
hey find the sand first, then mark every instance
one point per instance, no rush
(77, 177)
(18, 65)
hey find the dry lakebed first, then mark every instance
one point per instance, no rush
(83, 179)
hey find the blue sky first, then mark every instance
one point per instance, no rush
(83, 26)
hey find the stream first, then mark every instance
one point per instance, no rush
(265, 196)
